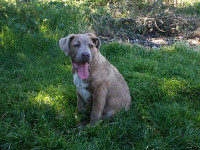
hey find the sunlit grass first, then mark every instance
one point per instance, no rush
(43, 97)
(190, 1)
(172, 86)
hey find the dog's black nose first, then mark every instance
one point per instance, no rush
(85, 56)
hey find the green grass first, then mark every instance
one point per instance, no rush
(192, 9)
(38, 98)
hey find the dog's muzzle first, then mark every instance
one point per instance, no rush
(85, 57)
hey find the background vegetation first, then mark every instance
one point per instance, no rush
(38, 98)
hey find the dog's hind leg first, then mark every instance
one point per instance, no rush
(108, 115)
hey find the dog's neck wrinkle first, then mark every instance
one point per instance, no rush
(97, 61)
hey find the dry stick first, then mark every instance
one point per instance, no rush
(172, 18)
(182, 19)
(157, 26)
(156, 19)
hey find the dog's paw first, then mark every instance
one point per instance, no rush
(82, 124)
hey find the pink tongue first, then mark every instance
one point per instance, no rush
(83, 70)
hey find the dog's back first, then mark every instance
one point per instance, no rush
(118, 95)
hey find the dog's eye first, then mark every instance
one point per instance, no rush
(91, 46)
(76, 45)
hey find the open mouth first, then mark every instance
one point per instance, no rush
(82, 69)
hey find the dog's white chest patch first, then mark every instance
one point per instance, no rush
(81, 88)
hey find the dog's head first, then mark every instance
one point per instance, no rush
(81, 48)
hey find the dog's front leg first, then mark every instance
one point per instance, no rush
(99, 98)
(81, 106)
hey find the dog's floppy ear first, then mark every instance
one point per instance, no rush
(95, 40)
(64, 43)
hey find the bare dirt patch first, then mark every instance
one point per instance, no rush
(153, 42)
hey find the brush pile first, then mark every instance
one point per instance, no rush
(129, 20)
